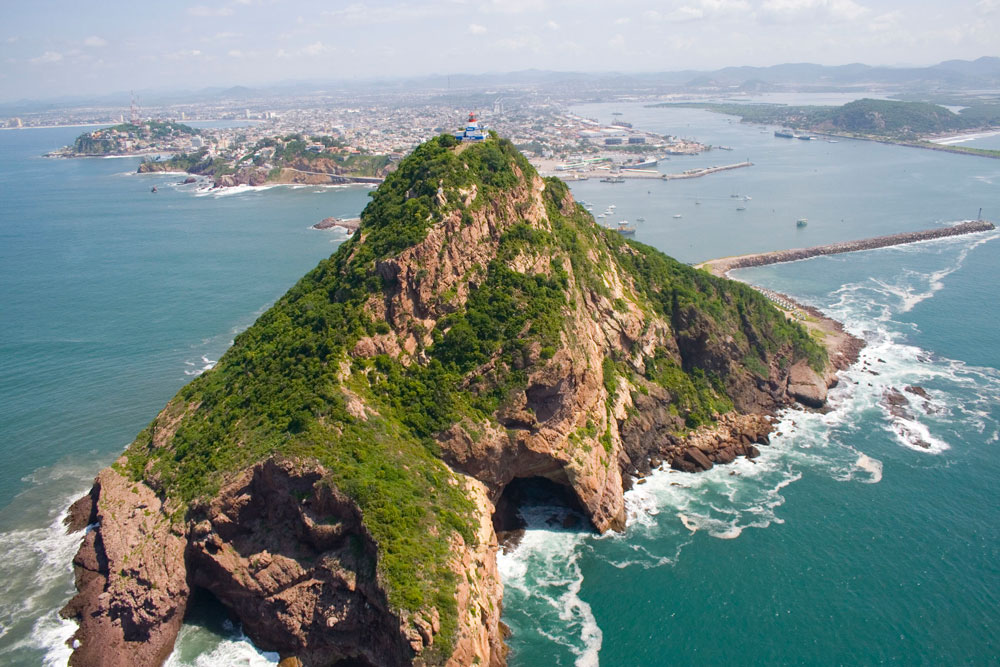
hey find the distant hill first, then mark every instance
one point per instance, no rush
(131, 138)
(951, 75)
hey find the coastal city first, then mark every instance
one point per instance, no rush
(556, 141)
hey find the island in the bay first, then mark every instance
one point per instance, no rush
(338, 480)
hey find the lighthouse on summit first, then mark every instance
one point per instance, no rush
(473, 131)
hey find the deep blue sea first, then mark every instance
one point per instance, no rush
(858, 537)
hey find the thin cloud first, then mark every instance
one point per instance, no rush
(47, 57)
(204, 11)
(95, 42)
(477, 29)
(812, 10)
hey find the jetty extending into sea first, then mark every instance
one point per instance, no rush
(724, 265)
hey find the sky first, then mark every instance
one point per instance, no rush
(51, 48)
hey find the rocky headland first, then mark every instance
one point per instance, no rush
(337, 480)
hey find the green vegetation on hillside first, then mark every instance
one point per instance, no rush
(887, 119)
(291, 386)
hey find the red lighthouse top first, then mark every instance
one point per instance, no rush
(472, 116)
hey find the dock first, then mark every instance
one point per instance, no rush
(652, 174)
(705, 171)
(721, 267)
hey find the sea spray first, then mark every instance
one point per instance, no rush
(542, 579)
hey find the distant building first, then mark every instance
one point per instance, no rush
(613, 141)
(637, 140)
(473, 131)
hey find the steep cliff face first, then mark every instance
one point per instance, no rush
(332, 481)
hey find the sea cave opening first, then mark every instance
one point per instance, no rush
(536, 502)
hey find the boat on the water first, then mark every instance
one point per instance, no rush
(801, 222)
(624, 229)
(640, 219)
(154, 189)
(784, 134)
(652, 162)
(677, 215)
(613, 179)
(741, 208)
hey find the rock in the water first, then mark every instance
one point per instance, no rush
(806, 386)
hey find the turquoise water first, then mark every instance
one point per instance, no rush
(846, 543)
(112, 299)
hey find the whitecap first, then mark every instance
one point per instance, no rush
(196, 370)
(872, 466)
(543, 573)
(234, 650)
(47, 554)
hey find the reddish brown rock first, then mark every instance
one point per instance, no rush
(806, 386)
(130, 576)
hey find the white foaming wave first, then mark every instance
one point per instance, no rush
(195, 370)
(232, 191)
(887, 364)
(37, 566)
(872, 466)
(722, 502)
(911, 433)
(236, 650)
(913, 287)
(544, 570)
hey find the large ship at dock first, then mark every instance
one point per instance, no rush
(784, 134)
(646, 164)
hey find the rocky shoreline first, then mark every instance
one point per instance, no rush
(306, 560)
(350, 225)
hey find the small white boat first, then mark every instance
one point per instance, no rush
(677, 215)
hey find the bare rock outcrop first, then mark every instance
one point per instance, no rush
(131, 577)
(625, 369)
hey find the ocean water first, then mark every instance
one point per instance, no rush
(858, 536)
(112, 298)
(846, 542)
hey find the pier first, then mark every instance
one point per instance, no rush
(705, 171)
(721, 267)
(652, 174)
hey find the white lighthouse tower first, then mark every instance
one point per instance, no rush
(473, 131)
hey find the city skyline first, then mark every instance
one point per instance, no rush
(69, 49)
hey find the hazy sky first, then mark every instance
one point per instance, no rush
(52, 48)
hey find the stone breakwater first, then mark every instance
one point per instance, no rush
(726, 264)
